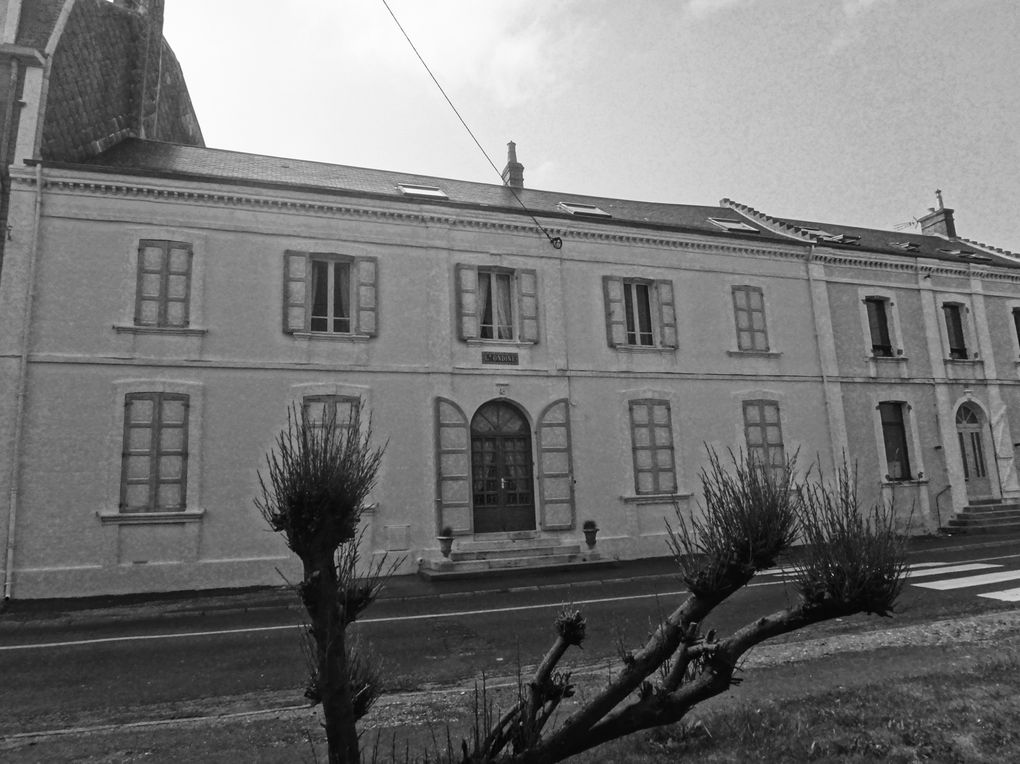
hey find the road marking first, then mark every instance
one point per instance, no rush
(1007, 595)
(388, 619)
(950, 569)
(961, 583)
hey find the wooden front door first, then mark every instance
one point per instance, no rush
(970, 430)
(503, 490)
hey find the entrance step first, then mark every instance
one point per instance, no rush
(485, 559)
(986, 517)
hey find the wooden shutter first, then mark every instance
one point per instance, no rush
(366, 277)
(527, 298)
(295, 266)
(555, 467)
(467, 301)
(667, 313)
(616, 315)
(453, 468)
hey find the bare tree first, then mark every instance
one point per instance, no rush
(317, 479)
(851, 563)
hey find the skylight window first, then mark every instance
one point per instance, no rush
(587, 210)
(974, 256)
(729, 224)
(907, 246)
(956, 252)
(412, 189)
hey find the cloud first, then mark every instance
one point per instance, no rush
(509, 49)
(700, 9)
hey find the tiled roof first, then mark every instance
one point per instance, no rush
(134, 155)
(35, 26)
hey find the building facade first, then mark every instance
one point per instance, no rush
(534, 360)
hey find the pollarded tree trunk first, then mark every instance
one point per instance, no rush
(327, 625)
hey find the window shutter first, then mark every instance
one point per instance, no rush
(453, 468)
(467, 301)
(367, 277)
(667, 314)
(527, 297)
(616, 317)
(555, 467)
(294, 288)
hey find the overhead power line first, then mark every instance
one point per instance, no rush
(556, 241)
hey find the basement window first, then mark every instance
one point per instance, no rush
(585, 210)
(414, 190)
(729, 224)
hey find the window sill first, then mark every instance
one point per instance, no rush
(501, 343)
(644, 348)
(965, 361)
(150, 518)
(655, 498)
(910, 481)
(888, 358)
(332, 337)
(754, 353)
(184, 331)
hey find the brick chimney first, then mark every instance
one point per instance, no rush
(513, 173)
(938, 222)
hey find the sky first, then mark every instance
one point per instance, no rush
(842, 111)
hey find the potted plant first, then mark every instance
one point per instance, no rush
(445, 539)
(590, 532)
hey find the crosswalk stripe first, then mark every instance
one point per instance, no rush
(961, 583)
(951, 569)
(1007, 595)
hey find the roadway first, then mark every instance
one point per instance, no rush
(147, 662)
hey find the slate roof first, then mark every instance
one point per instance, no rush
(901, 243)
(146, 157)
(168, 159)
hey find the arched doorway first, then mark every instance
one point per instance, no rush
(970, 428)
(503, 490)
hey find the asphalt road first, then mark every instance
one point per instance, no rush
(85, 672)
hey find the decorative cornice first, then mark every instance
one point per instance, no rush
(334, 209)
(797, 251)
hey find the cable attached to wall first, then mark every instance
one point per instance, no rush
(556, 241)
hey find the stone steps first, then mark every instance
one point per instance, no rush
(509, 556)
(986, 517)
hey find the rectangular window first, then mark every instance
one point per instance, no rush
(163, 294)
(327, 293)
(749, 310)
(894, 435)
(878, 323)
(320, 409)
(331, 296)
(498, 304)
(154, 465)
(639, 312)
(764, 434)
(652, 442)
(638, 307)
(1016, 324)
(954, 330)
(495, 305)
